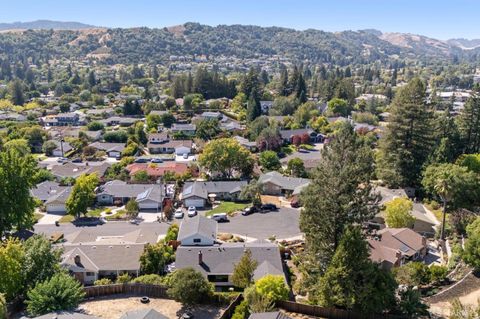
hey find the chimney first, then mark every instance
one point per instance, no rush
(200, 257)
(77, 259)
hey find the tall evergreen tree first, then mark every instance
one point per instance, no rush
(339, 195)
(283, 83)
(352, 281)
(408, 140)
(469, 124)
(254, 108)
(16, 92)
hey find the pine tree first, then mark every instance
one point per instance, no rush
(242, 275)
(254, 109)
(469, 124)
(16, 93)
(352, 281)
(408, 140)
(339, 195)
(283, 87)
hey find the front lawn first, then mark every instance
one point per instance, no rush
(227, 207)
(67, 219)
(37, 217)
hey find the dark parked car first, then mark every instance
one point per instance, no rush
(295, 203)
(249, 210)
(268, 207)
(141, 160)
(77, 160)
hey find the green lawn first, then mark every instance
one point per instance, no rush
(227, 207)
(67, 219)
(36, 217)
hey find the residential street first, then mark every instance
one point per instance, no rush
(282, 224)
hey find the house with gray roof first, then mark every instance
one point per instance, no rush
(269, 315)
(52, 195)
(120, 120)
(197, 231)
(66, 315)
(148, 196)
(187, 129)
(197, 193)
(61, 149)
(287, 135)
(211, 116)
(274, 183)
(74, 170)
(217, 262)
(91, 261)
(251, 146)
(147, 313)
(112, 149)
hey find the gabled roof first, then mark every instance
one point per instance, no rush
(285, 182)
(221, 259)
(198, 225)
(66, 315)
(46, 189)
(74, 170)
(287, 134)
(118, 188)
(108, 147)
(60, 197)
(143, 314)
(403, 239)
(380, 253)
(202, 189)
(98, 257)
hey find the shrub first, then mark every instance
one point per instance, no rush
(437, 273)
(273, 287)
(61, 292)
(189, 287)
(241, 311)
(151, 279)
(102, 282)
(123, 278)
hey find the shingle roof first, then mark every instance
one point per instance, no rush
(269, 315)
(287, 134)
(108, 147)
(221, 259)
(288, 183)
(143, 314)
(197, 225)
(47, 189)
(66, 315)
(60, 197)
(380, 253)
(202, 189)
(75, 170)
(118, 188)
(403, 239)
(98, 257)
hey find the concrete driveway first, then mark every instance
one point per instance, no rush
(49, 219)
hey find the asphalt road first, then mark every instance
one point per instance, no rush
(281, 224)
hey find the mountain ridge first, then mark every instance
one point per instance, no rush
(45, 24)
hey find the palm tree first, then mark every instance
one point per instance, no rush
(443, 188)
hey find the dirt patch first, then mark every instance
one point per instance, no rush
(114, 308)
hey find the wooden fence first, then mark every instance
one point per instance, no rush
(330, 313)
(136, 289)
(228, 313)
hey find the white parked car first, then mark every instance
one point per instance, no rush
(192, 211)
(178, 213)
(222, 217)
(62, 160)
(185, 155)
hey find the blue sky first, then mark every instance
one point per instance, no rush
(441, 19)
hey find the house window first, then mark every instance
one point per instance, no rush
(90, 274)
(218, 278)
(197, 240)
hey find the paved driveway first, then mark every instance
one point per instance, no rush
(49, 219)
(282, 224)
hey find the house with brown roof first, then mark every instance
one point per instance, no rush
(409, 244)
(74, 170)
(386, 257)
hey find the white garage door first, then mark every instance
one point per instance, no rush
(147, 205)
(56, 208)
(194, 202)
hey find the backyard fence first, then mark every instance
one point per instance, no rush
(228, 313)
(136, 289)
(330, 313)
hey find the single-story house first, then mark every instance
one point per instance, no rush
(266, 106)
(196, 193)
(148, 196)
(251, 146)
(45, 190)
(385, 256)
(56, 204)
(112, 149)
(217, 262)
(92, 261)
(211, 116)
(120, 120)
(412, 245)
(287, 135)
(66, 315)
(74, 170)
(274, 183)
(179, 147)
(197, 231)
(101, 112)
(187, 129)
(62, 148)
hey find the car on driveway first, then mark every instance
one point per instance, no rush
(141, 160)
(192, 211)
(268, 208)
(249, 210)
(179, 213)
(156, 160)
(62, 160)
(221, 217)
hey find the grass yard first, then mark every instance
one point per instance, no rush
(227, 207)
(37, 217)
(67, 219)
